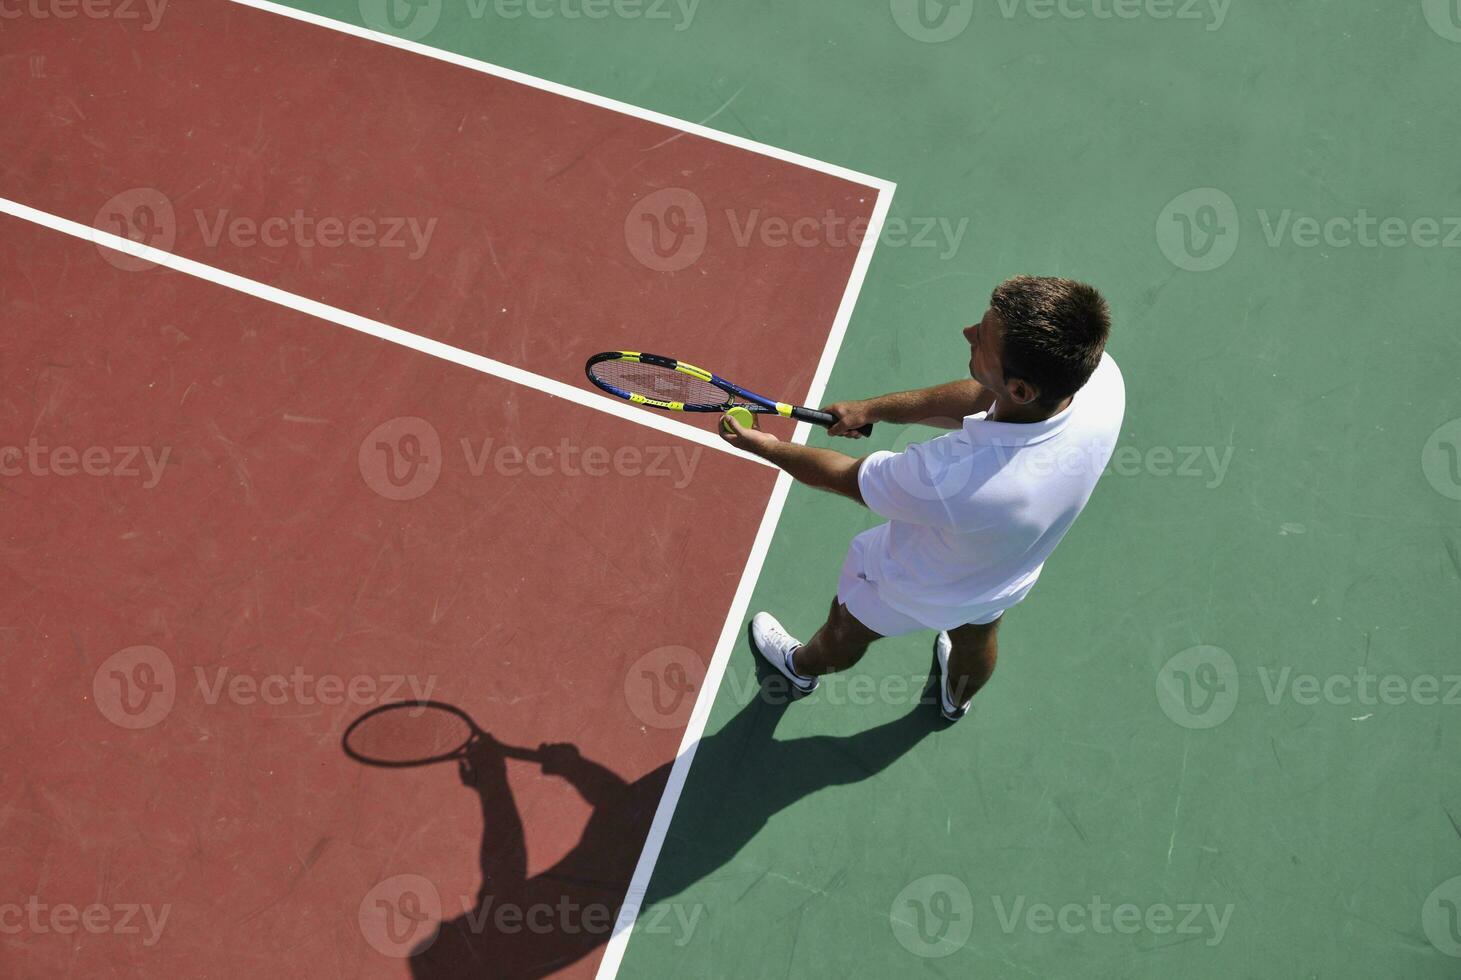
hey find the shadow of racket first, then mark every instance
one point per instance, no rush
(418, 733)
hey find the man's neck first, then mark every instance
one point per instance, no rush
(1005, 412)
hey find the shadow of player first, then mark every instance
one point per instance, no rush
(524, 927)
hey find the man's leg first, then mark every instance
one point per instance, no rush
(837, 645)
(971, 659)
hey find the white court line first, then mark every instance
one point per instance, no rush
(353, 321)
(578, 95)
(715, 673)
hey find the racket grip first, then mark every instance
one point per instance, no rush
(520, 752)
(824, 419)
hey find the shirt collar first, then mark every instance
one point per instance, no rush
(983, 432)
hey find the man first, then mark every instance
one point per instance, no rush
(973, 515)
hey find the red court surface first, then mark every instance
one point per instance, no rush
(262, 549)
(235, 115)
(233, 528)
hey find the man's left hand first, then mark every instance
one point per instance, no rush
(751, 440)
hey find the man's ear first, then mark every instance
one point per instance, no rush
(1022, 391)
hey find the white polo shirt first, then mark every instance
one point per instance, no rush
(973, 515)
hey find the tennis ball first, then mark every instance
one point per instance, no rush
(741, 415)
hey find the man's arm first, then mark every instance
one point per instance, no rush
(943, 406)
(824, 469)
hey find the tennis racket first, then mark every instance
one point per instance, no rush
(417, 733)
(674, 386)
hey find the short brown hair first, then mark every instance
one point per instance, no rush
(1054, 332)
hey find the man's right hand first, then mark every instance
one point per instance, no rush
(851, 416)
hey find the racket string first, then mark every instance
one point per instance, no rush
(408, 733)
(659, 383)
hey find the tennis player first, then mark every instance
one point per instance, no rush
(972, 515)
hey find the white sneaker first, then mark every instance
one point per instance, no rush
(776, 646)
(942, 647)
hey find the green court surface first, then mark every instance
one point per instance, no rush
(1222, 740)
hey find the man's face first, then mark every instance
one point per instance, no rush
(986, 366)
(984, 346)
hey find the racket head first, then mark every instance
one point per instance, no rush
(658, 382)
(409, 733)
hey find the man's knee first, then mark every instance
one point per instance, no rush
(976, 636)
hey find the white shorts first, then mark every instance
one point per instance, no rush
(860, 596)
